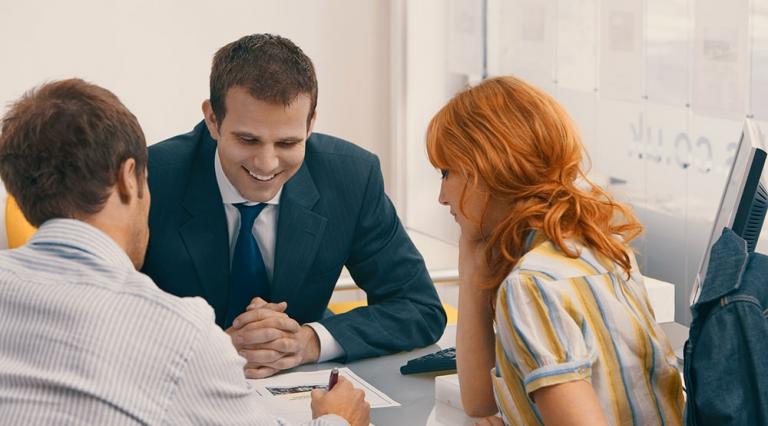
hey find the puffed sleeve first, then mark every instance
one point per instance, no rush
(541, 332)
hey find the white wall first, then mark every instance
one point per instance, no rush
(155, 55)
(429, 86)
(659, 89)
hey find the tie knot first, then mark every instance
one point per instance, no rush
(248, 214)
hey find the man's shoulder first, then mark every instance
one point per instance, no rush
(336, 162)
(176, 151)
(185, 312)
(172, 162)
(92, 284)
(323, 145)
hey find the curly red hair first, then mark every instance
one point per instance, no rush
(525, 150)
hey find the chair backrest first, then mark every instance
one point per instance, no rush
(17, 229)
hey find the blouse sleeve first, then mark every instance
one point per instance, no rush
(541, 332)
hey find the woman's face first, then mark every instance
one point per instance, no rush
(475, 200)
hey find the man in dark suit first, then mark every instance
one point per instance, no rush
(258, 215)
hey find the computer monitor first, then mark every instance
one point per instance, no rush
(742, 206)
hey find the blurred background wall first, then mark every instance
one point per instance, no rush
(658, 88)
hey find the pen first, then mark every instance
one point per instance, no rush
(333, 379)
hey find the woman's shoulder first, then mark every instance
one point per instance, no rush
(546, 261)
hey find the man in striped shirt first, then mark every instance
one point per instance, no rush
(84, 337)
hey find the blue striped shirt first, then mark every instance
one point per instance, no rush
(86, 339)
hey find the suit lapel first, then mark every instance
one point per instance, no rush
(299, 231)
(205, 233)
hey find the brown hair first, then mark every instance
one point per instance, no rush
(272, 68)
(523, 147)
(61, 148)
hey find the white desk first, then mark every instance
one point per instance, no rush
(416, 392)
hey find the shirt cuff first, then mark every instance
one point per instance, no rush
(555, 374)
(329, 347)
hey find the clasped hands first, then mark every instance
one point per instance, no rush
(270, 340)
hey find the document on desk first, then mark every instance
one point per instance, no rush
(288, 395)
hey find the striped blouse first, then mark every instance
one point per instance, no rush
(560, 319)
(86, 339)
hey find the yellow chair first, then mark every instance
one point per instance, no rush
(17, 229)
(341, 307)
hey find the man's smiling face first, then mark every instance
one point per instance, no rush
(261, 144)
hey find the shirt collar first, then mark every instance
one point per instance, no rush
(533, 239)
(230, 194)
(81, 236)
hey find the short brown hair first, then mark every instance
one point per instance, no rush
(272, 68)
(61, 148)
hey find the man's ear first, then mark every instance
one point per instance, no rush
(210, 119)
(127, 185)
(311, 123)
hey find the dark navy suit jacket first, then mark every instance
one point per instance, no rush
(333, 212)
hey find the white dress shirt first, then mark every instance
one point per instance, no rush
(87, 339)
(265, 233)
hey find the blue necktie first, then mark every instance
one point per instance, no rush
(248, 276)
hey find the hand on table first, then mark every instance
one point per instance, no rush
(270, 340)
(343, 400)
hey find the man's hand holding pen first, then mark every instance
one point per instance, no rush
(343, 400)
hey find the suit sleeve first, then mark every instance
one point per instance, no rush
(404, 311)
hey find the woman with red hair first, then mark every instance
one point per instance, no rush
(544, 256)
